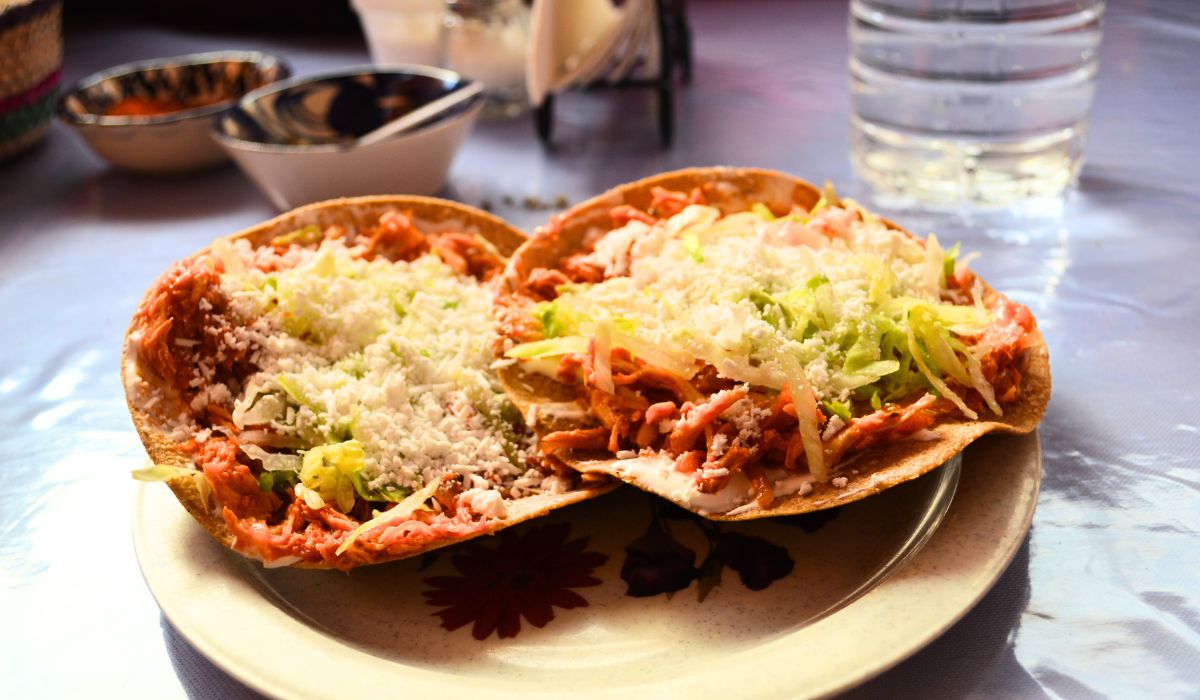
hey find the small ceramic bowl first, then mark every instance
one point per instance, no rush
(297, 140)
(156, 116)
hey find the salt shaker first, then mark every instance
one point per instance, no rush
(485, 40)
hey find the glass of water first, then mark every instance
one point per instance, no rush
(979, 102)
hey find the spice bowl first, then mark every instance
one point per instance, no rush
(301, 141)
(156, 116)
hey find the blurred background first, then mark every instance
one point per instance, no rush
(253, 17)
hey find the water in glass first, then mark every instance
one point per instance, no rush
(971, 101)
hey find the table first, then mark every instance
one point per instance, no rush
(1103, 598)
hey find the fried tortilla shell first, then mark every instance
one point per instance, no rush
(431, 216)
(731, 190)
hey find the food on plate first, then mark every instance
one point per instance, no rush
(317, 390)
(746, 346)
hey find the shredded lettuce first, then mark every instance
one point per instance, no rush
(864, 319)
(837, 408)
(933, 378)
(830, 195)
(551, 347)
(774, 311)
(763, 211)
(561, 317)
(602, 358)
(390, 493)
(327, 470)
(547, 314)
(869, 217)
(411, 504)
(691, 245)
(949, 259)
(934, 265)
(273, 461)
(679, 364)
(160, 472)
(307, 235)
(874, 350)
(829, 198)
(805, 402)
(166, 472)
(271, 480)
(258, 406)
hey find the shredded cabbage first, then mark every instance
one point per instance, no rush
(555, 319)
(863, 321)
(411, 504)
(166, 472)
(763, 211)
(257, 407)
(551, 347)
(160, 472)
(327, 470)
(271, 480)
(935, 380)
(272, 461)
(603, 356)
(837, 408)
(691, 243)
(805, 403)
(307, 235)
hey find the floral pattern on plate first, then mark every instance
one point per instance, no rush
(525, 575)
(527, 572)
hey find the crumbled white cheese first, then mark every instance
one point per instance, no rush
(747, 418)
(717, 448)
(833, 427)
(396, 355)
(612, 251)
(486, 503)
(698, 287)
(555, 484)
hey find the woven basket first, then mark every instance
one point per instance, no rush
(30, 70)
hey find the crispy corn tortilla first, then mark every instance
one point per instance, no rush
(732, 190)
(431, 215)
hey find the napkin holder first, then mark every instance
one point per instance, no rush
(649, 34)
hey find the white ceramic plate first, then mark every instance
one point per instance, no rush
(830, 623)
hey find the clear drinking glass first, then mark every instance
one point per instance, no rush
(402, 31)
(485, 40)
(971, 101)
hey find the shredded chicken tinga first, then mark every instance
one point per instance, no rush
(746, 346)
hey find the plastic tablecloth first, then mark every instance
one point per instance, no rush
(1102, 600)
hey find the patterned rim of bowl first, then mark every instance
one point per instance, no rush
(472, 106)
(257, 59)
